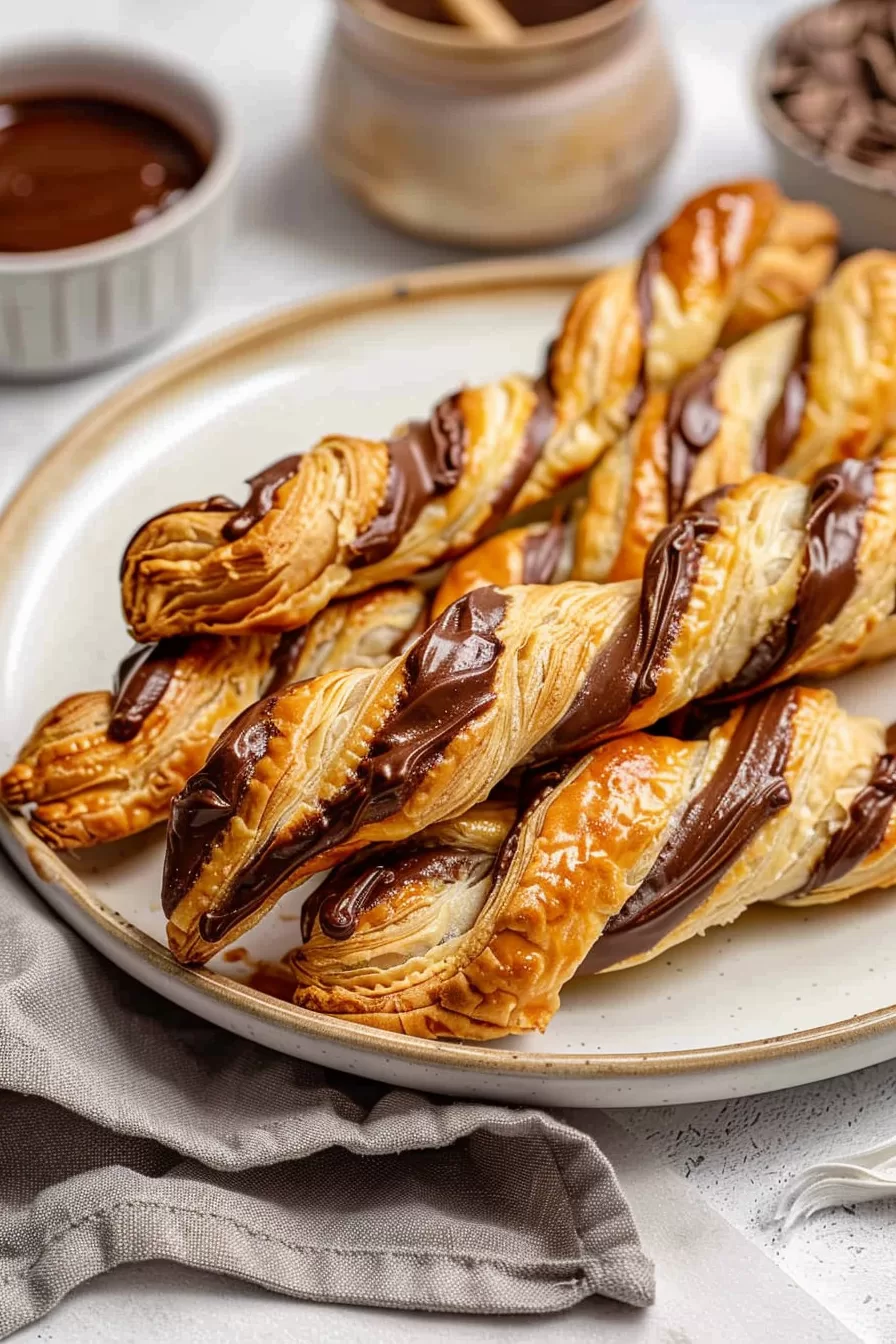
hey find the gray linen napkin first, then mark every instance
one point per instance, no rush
(131, 1130)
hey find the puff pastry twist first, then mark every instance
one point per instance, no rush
(762, 582)
(353, 513)
(102, 766)
(645, 843)
(792, 397)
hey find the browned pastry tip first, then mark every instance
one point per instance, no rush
(643, 844)
(353, 514)
(102, 767)
(763, 582)
(783, 275)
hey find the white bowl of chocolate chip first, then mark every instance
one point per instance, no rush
(825, 88)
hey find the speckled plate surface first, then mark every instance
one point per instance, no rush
(780, 998)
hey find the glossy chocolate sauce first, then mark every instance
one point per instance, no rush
(262, 491)
(285, 658)
(541, 554)
(625, 670)
(425, 461)
(692, 422)
(747, 790)
(143, 677)
(202, 811)
(75, 170)
(865, 828)
(362, 883)
(783, 425)
(539, 429)
(837, 505)
(449, 681)
(651, 264)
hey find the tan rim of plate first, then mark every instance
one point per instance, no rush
(87, 440)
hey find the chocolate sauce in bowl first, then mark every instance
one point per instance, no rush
(75, 170)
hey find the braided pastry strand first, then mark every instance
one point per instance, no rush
(645, 843)
(353, 513)
(102, 766)
(790, 398)
(769, 580)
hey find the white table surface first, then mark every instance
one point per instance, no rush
(297, 236)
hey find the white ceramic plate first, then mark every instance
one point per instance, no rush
(779, 998)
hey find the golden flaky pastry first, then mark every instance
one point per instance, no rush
(103, 766)
(790, 398)
(767, 580)
(354, 513)
(645, 843)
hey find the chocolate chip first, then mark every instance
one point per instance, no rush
(815, 108)
(839, 66)
(850, 126)
(834, 76)
(787, 77)
(838, 26)
(880, 58)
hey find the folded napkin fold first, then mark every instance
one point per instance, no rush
(130, 1130)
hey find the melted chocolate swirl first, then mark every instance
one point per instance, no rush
(865, 828)
(744, 793)
(202, 811)
(359, 885)
(783, 425)
(651, 265)
(625, 671)
(692, 422)
(262, 493)
(143, 677)
(837, 504)
(424, 462)
(448, 682)
(541, 554)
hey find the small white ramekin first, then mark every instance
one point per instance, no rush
(67, 311)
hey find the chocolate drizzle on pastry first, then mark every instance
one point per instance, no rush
(837, 506)
(783, 425)
(865, 828)
(626, 669)
(449, 681)
(143, 677)
(541, 426)
(747, 789)
(285, 658)
(359, 885)
(541, 554)
(262, 492)
(424, 461)
(201, 812)
(651, 264)
(692, 422)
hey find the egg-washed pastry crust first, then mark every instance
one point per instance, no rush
(102, 766)
(645, 843)
(760, 583)
(356, 513)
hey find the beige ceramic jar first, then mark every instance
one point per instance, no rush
(460, 141)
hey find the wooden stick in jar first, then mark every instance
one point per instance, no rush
(487, 18)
